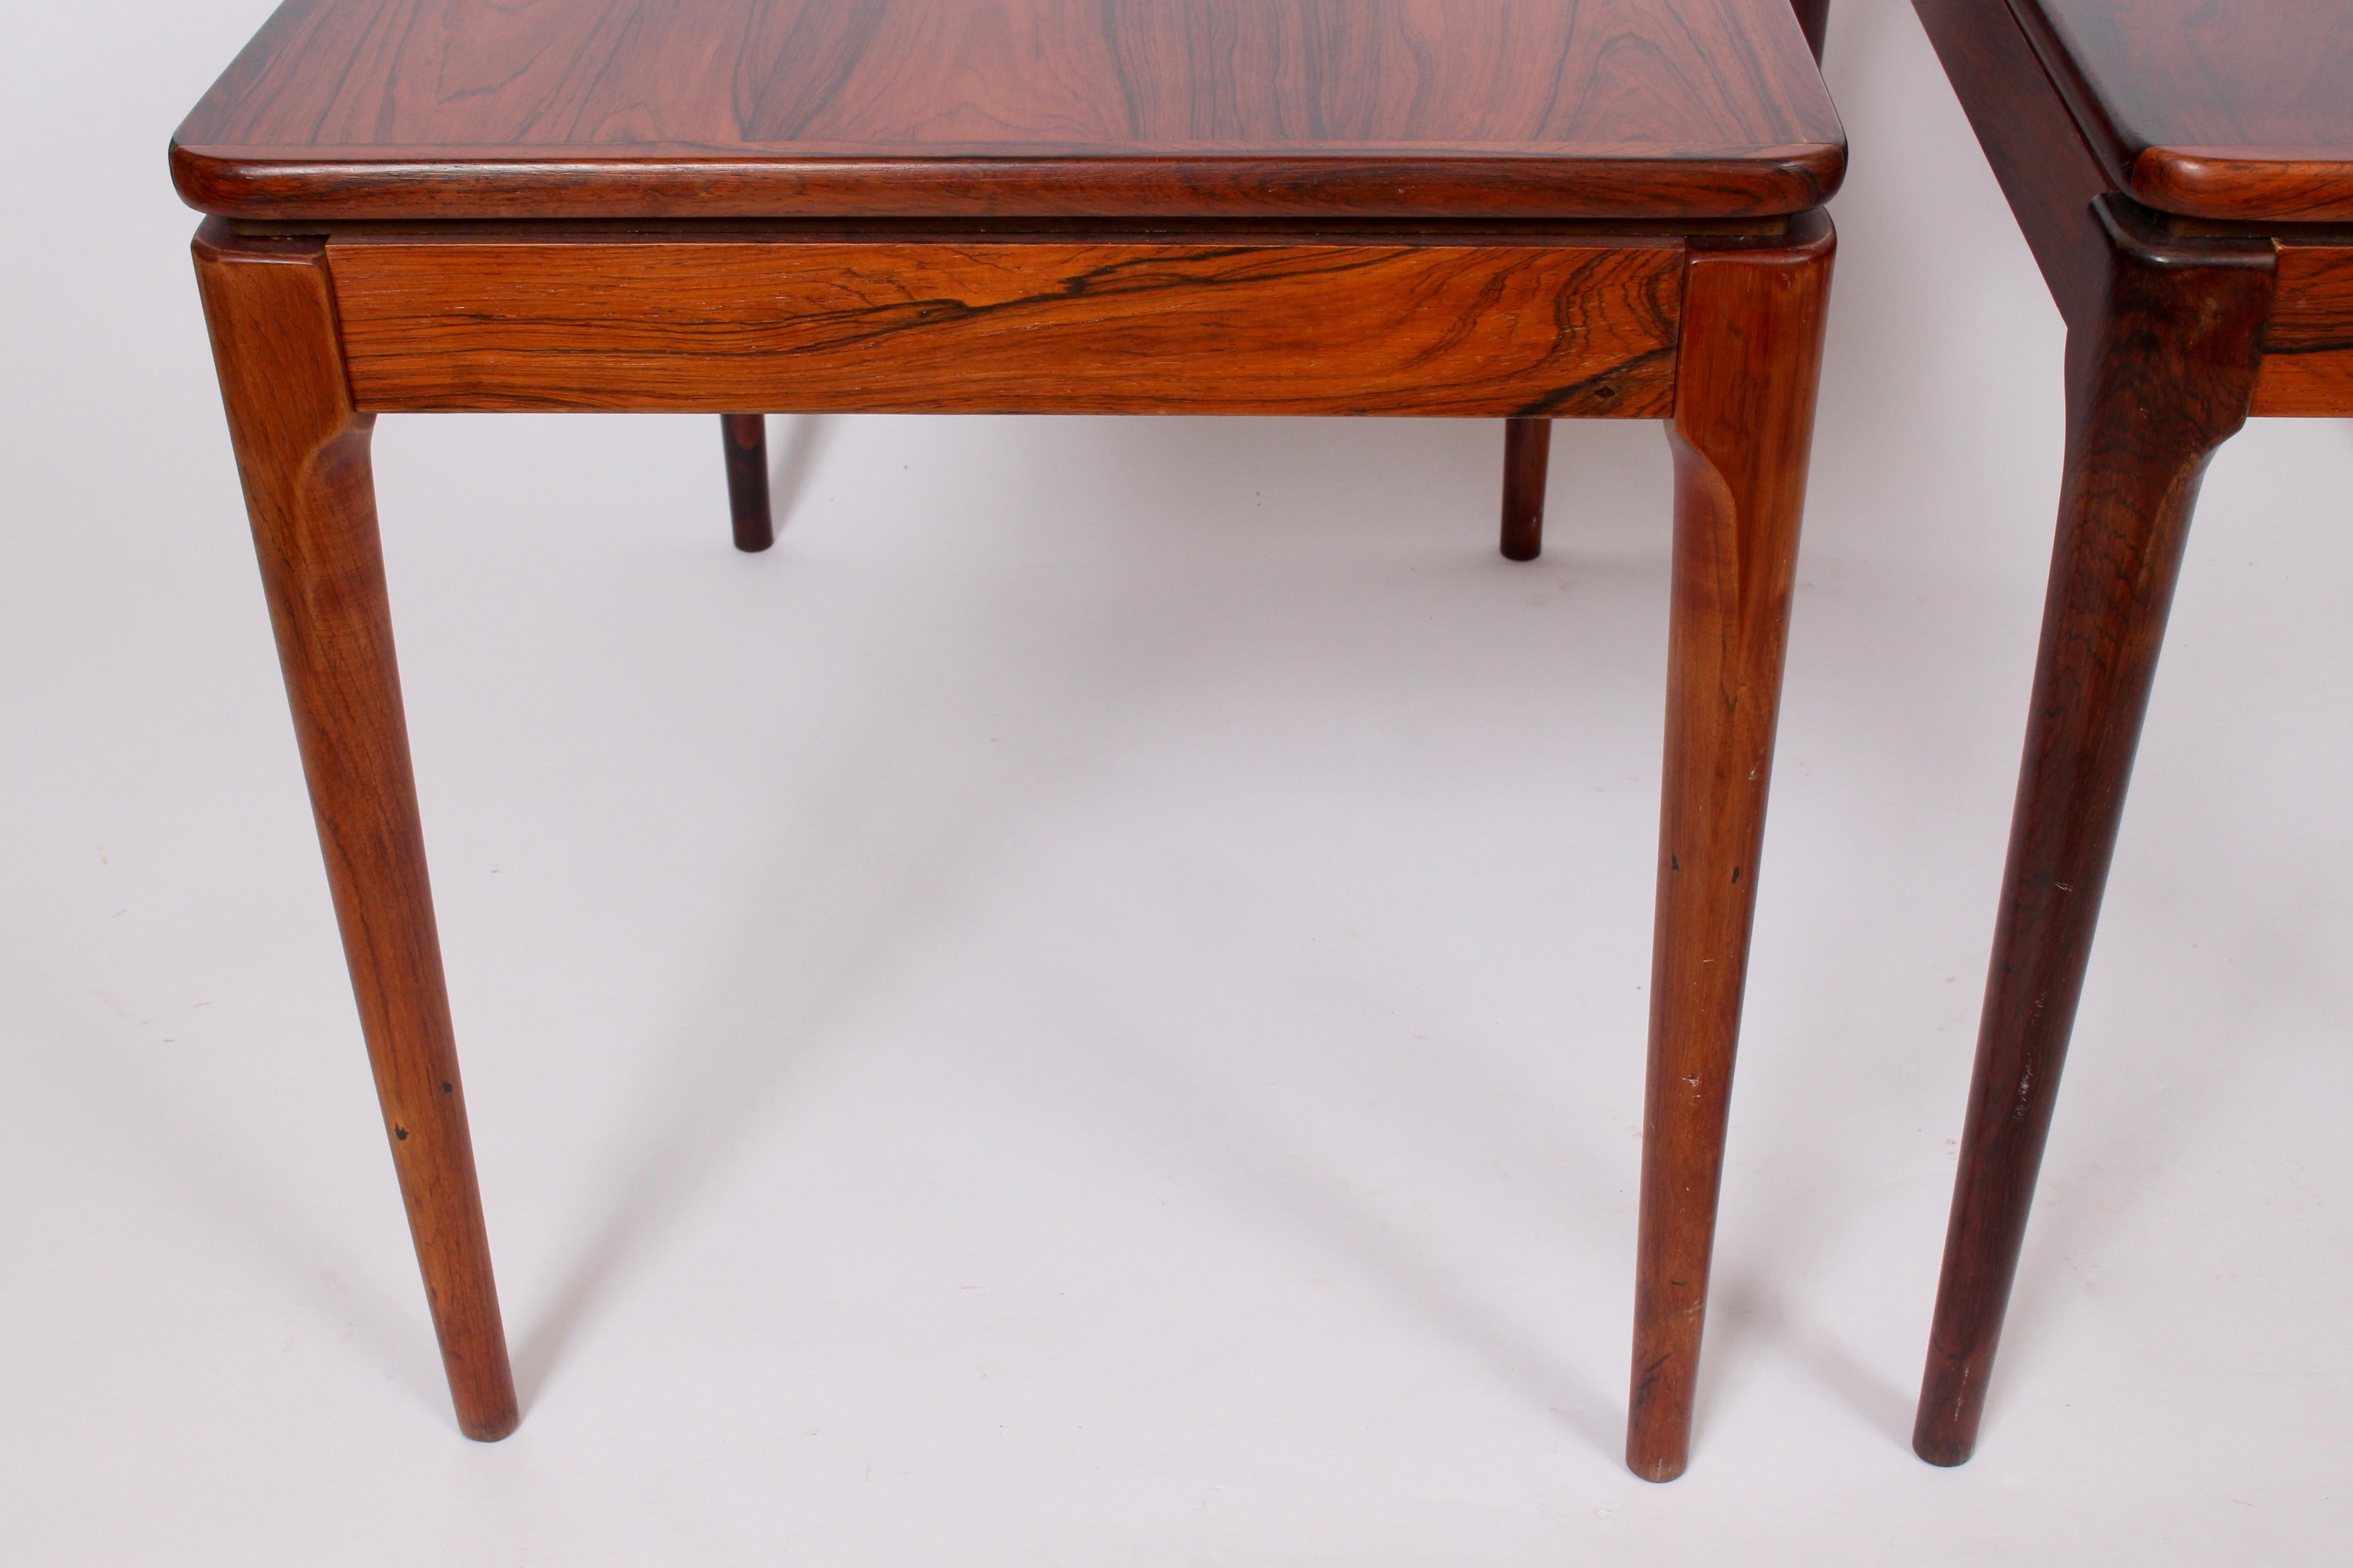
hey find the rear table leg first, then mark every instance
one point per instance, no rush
(1527, 455)
(746, 435)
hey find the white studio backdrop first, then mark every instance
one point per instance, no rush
(1088, 1009)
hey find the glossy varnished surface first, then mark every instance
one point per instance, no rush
(2161, 369)
(2231, 109)
(303, 454)
(2308, 341)
(2176, 333)
(445, 109)
(1741, 435)
(1480, 330)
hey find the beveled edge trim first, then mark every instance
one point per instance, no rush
(446, 183)
(2280, 185)
(1007, 230)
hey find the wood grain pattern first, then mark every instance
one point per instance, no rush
(302, 453)
(1743, 427)
(550, 109)
(2308, 344)
(1246, 327)
(2240, 110)
(2158, 378)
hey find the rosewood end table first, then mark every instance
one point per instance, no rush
(2184, 173)
(1466, 208)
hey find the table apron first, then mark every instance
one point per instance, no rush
(1477, 328)
(2308, 344)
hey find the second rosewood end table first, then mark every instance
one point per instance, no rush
(1463, 208)
(2184, 173)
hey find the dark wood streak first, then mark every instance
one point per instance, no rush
(1472, 330)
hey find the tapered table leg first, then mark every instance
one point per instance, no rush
(746, 435)
(1744, 422)
(2159, 374)
(1527, 459)
(302, 453)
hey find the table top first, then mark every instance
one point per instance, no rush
(2230, 109)
(474, 109)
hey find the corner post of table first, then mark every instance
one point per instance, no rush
(1748, 366)
(2161, 369)
(302, 455)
